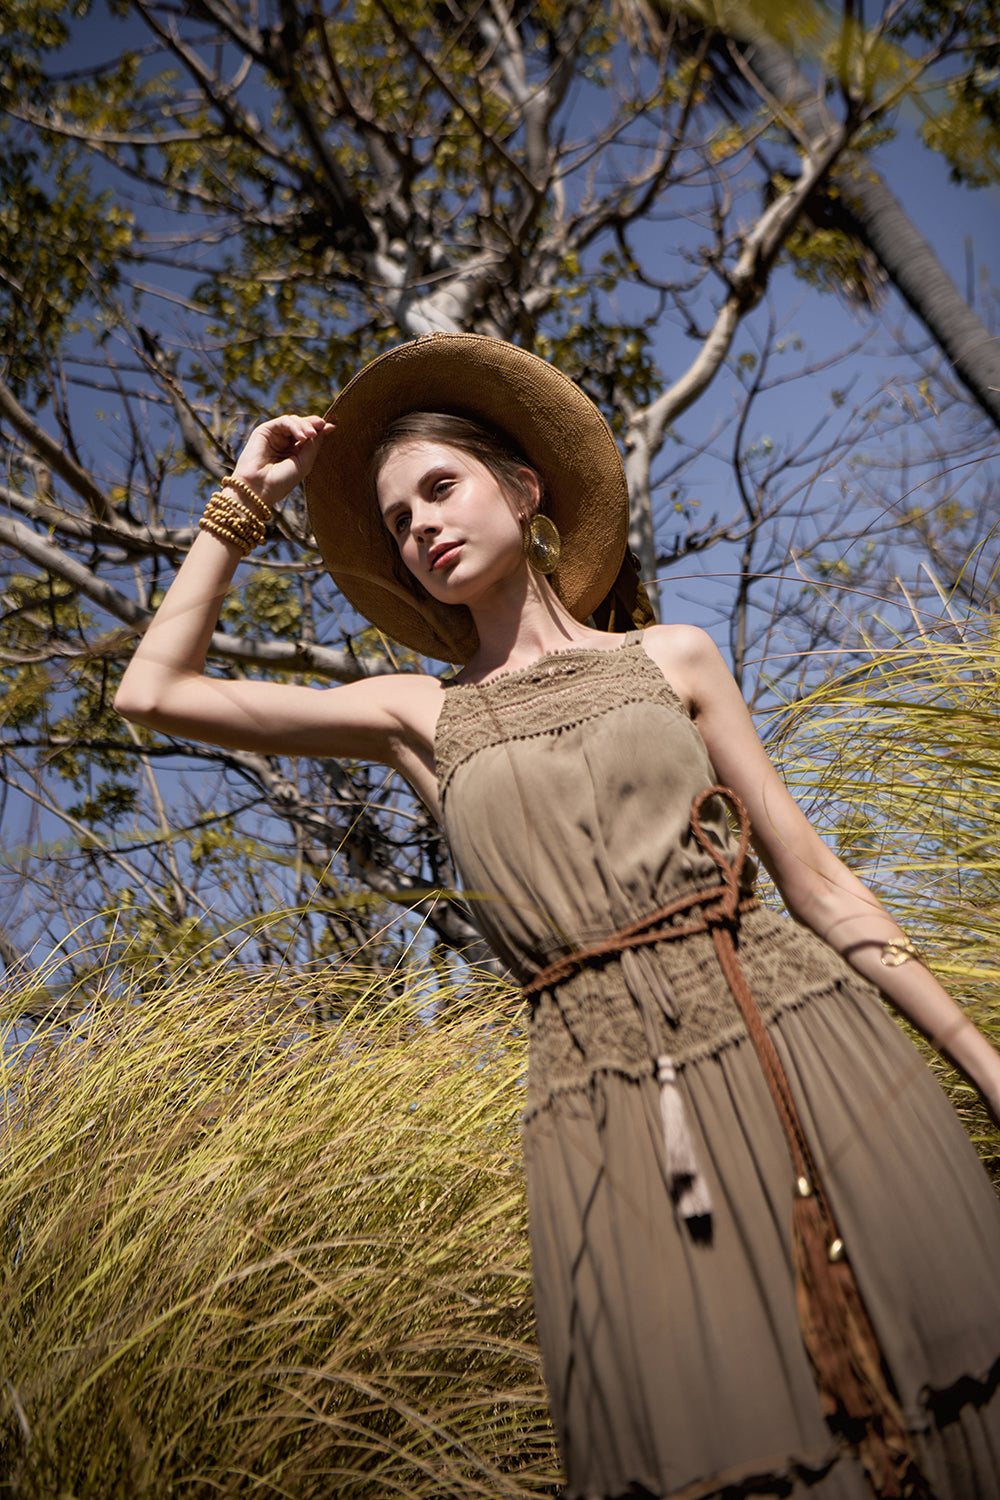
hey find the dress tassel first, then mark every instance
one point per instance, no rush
(687, 1183)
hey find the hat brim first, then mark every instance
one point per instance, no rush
(558, 429)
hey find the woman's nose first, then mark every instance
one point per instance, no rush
(423, 521)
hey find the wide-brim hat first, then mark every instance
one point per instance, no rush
(547, 417)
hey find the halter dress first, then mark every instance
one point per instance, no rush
(672, 1347)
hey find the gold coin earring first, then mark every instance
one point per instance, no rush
(541, 542)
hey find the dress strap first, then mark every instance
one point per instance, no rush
(633, 637)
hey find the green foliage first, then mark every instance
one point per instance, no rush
(601, 356)
(965, 125)
(267, 604)
(30, 29)
(36, 610)
(62, 245)
(111, 802)
(25, 695)
(42, 621)
(967, 130)
(50, 259)
(244, 1252)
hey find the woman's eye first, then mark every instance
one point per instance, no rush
(400, 524)
(442, 487)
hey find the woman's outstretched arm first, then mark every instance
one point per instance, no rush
(165, 686)
(817, 887)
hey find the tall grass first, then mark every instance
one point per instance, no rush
(245, 1254)
(899, 762)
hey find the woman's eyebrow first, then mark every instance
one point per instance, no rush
(426, 481)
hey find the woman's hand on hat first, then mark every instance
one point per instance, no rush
(279, 454)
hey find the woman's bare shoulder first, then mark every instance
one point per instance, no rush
(684, 654)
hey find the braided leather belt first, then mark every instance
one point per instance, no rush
(856, 1389)
(716, 905)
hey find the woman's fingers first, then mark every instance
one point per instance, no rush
(287, 433)
(279, 454)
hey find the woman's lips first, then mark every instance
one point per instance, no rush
(442, 553)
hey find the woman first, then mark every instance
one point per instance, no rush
(717, 1103)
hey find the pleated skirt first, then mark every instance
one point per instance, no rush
(672, 1349)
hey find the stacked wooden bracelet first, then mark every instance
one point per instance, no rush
(241, 517)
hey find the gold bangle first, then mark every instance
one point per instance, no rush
(898, 952)
(244, 489)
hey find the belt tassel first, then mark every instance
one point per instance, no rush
(687, 1183)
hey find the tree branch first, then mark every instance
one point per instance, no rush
(288, 656)
(53, 454)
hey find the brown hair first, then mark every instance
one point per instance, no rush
(493, 449)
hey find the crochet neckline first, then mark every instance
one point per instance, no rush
(633, 638)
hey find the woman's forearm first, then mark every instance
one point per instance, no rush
(854, 922)
(277, 456)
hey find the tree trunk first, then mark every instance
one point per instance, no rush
(883, 226)
(913, 268)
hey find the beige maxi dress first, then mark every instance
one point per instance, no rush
(671, 1346)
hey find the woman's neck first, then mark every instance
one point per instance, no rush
(514, 634)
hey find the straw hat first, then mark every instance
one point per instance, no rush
(558, 429)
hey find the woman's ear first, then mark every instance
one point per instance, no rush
(531, 491)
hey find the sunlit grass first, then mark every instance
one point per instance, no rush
(900, 763)
(267, 1235)
(245, 1253)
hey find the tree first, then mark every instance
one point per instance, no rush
(854, 202)
(222, 219)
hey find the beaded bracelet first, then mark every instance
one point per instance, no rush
(233, 521)
(240, 485)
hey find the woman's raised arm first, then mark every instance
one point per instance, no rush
(389, 719)
(817, 887)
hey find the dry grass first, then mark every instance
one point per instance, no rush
(899, 763)
(246, 1254)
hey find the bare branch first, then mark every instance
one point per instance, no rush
(52, 453)
(299, 657)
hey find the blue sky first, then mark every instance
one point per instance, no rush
(953, 218)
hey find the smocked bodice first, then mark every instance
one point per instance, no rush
(566, 789)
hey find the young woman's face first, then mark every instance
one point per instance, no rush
(457, 530)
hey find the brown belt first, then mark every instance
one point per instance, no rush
(855, 1386)
(656, 927)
